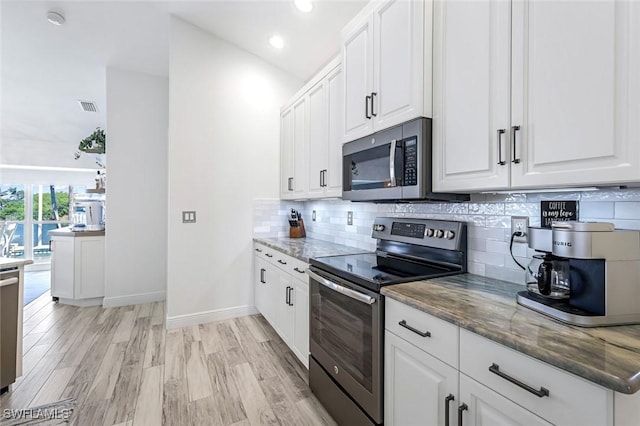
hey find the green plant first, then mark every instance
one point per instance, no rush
(95, 143)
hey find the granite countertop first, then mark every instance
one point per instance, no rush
(608, 356)
(67, 232)
(307, 248)
(9, 262)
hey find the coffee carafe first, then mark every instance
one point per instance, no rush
(548, 276)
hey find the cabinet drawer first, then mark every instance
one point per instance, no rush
(442, 339)
(570, 400)
(289, 264)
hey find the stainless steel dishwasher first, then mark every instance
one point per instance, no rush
(9, 305)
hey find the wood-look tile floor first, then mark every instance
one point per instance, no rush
(124, 368)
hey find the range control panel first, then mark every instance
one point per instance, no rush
(426, 232)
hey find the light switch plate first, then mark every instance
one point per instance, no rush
(189, 216)
(349, 218)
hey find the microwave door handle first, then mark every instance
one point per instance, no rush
(355, 295)
(392, 163)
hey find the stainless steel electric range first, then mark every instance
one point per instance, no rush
(347, 310)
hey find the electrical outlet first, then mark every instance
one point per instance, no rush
(349, 218)
(519, 224)
(313, 216)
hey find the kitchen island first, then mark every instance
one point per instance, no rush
(11, 317)
(77, 266)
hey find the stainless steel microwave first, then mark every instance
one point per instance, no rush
(392, 165)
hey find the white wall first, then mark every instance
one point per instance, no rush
(136, 239)
(224, 107)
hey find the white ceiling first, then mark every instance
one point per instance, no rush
(45, 69)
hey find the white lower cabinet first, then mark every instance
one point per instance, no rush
(281, 295)
(419, 389)
(77, 269)
(494, 385)
(300, 300)
(481, 406)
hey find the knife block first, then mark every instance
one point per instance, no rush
(297, 231)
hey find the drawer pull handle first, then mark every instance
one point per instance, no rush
(404, 324)
(447, 400)
(258, 250)
(282, 262)
(298, 270)
(495, 369)
(461, 408)
(268, 255)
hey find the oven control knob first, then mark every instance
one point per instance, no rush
(449, 235)
(429, 232)
(439, 233)
(335, 369)
(378, 227)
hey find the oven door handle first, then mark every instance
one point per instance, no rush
(355, 295)
(392, 163)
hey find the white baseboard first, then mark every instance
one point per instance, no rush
(188, 320)
(134, 299)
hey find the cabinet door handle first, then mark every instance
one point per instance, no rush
(373, 95)
(366, 106)
(447, 400)
(298, 270)
(404, 324)
(501, 162)
(262, 271)
(290, 184)
(290, 292)
(282, 262)
(461, 408)
(50, 241)
(258, 250)
(286, 295)
(268, 255)
(495, 369)
(514, 130)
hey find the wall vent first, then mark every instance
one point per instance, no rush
(88, 106)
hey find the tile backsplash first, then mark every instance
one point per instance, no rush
(488, 217)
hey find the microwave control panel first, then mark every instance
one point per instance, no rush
(410, 162)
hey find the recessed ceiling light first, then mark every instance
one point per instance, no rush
(303, 5)
(276, 41)
(55, 18)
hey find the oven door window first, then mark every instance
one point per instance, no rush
(342, 327)
(370, 169)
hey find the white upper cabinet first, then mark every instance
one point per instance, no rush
(325, 143)
(333, 175)
(576, 92)
(300, 143)
(357, 62)
(471, 98)
(386, 54)
(311, 138)
(318, 137)
(573, 92)
(286, 154)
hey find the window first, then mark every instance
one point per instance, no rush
(51, 205)
(12, 209)
(28, 213)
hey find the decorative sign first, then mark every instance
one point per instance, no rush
(557, 211)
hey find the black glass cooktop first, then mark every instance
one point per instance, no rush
(375, 271)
